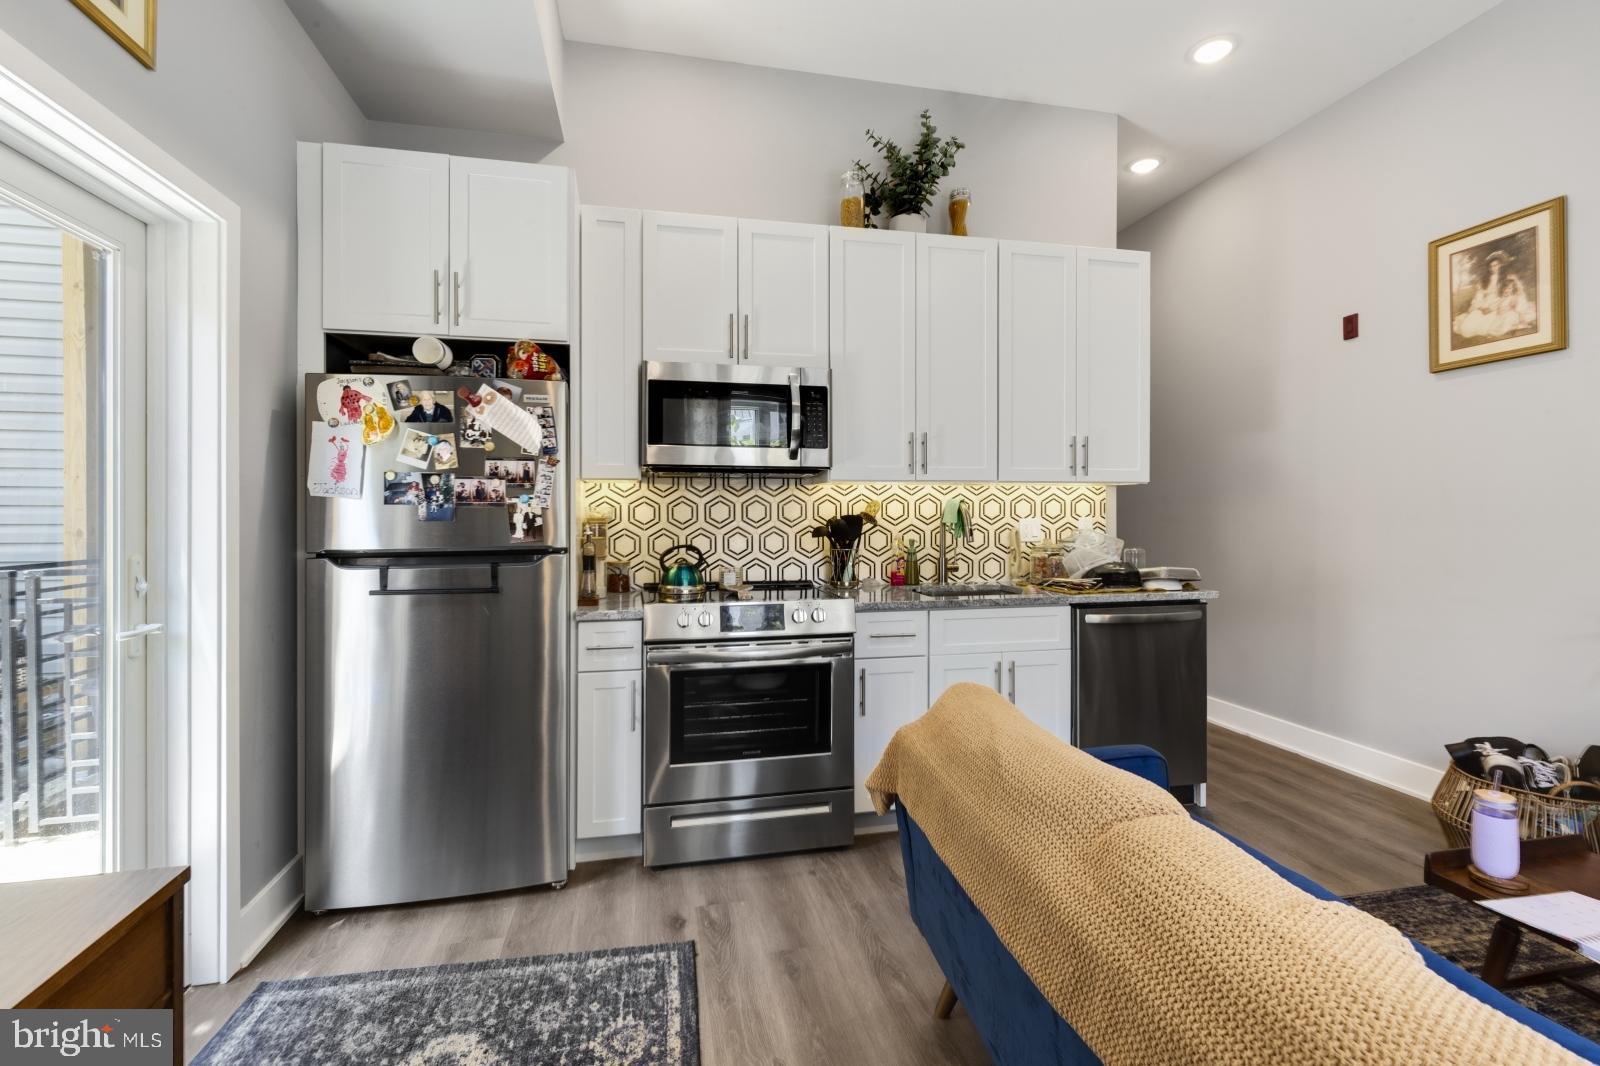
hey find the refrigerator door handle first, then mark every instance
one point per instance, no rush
(491, 589)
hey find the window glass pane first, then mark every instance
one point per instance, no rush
(52, 727)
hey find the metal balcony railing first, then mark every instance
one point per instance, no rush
(52, 723)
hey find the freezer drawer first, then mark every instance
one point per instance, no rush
(436, 757)
(1139, 677)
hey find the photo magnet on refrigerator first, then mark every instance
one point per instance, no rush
(438, 498)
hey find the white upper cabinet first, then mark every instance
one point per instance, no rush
(385, 241)
(1114, 365)
(957, 332)
(872, 281)
(510, 234)
(783, 294)
(610, 320)
(416, 243)
(1038, 362)
(691, 287)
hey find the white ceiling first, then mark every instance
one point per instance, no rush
(1129, 57)
(462, 64)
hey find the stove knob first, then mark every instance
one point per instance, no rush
(705, 618)
(683, 619)
(799, 614)
(819, 615)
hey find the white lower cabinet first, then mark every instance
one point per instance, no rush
(610, 753)
(889, 694)
(978, 668)
(1023, 653)
(1040, 684)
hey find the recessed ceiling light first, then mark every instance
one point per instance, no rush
(1212, 50)
(1144, 166)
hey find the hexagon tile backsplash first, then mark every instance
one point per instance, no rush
(763, 524)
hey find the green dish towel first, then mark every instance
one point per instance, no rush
(955, 517)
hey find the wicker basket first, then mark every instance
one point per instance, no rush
(1540, 814)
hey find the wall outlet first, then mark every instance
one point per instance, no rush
(1030, 529)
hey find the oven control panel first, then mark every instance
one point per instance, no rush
(748, 620)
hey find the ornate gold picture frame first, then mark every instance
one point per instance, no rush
(131, 22)
(1499, 290)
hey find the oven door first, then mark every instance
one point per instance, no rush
(723, 721)
(713, 417)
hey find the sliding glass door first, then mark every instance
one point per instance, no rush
(76, 758)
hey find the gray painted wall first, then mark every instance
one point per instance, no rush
(237, 83)
(1402, 555)
(674, 134)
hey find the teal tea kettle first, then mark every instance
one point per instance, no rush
(681, 579)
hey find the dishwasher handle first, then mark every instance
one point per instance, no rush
(1139, 618)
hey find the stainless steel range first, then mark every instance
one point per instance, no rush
(749, 744)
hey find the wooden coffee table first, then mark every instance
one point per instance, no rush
(1560, 864)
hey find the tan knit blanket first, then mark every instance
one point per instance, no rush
(1155, 938)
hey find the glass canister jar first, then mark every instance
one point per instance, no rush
(1496, 845)
(960, 199)
(852, 200)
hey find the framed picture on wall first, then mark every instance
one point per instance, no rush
(131, 22)
(1499, 290)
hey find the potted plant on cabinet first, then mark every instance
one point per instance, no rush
(910, 179)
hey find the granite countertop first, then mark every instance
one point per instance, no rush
(627, 606)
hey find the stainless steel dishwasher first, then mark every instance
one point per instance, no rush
(1139, 677)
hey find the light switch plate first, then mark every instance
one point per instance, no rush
(1030, 529)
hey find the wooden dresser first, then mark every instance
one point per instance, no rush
(112, 941)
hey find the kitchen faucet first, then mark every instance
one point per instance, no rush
(954, 519)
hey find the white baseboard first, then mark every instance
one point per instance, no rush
(261, 918)
(1392, 771)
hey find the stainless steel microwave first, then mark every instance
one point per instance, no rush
(711, 416)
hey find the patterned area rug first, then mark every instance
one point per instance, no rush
(627, 1006)
(1460, 930)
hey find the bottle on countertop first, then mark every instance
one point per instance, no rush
(897, 563)
(588, 588)
(913, 568)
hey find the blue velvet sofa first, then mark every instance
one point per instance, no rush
(1016, 1022)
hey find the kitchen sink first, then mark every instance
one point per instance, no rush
(946, 592)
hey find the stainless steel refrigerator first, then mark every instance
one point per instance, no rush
(435, 653)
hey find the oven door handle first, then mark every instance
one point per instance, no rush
(708, 660)
(796, 418)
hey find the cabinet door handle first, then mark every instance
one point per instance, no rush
(891, 636)
(1074, 456)
(437, 285)
(1085, 456)
(633, 698)
(458, 297)
(924, 453)
(732, 351)
(746, 337)
(863, 697)
(1011, 673)
(997, 686)
(610, 647)
(911, 446)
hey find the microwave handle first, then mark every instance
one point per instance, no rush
(796, 418)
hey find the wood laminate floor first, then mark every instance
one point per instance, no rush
(813, 958)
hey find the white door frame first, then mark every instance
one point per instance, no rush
(194, 330)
